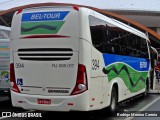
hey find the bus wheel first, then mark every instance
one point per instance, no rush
(144, 94)
(146, 89)
(113, 103)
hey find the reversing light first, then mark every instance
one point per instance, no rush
(81, 82)
(81, 86)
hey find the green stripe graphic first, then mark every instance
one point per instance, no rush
(134, 80)
(50, 27)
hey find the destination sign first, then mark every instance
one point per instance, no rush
(44, 16)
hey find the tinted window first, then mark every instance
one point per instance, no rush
(108, 38)
(4, 34)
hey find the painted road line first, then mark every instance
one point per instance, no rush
(144, 108)
(3, 118)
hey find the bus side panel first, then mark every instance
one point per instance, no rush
(97, 78)
(85, 59)
(85, 47)
(129, 72)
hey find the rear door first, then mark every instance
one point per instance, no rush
(45, 52)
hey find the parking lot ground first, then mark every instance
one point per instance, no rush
(146, 105)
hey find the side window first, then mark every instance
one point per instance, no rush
(118, 42)
(104, 36)
(143, 48)
(4, 34)
(108, 38)
(98, 33)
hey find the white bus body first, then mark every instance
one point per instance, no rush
(56, 67)
(4, 60)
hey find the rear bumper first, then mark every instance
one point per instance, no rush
(58, 103)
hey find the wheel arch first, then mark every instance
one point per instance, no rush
(115, 84)
(114, 97)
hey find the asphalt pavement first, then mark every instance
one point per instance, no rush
(146, 105)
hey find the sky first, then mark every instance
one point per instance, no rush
(4, 4)
(1, 1)
(144, 5)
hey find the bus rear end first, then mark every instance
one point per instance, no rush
(45, 69)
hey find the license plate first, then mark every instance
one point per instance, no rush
(44, 101)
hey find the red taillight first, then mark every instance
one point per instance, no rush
(76, 8)
(14, 86)
(19, 11)
(81, 83)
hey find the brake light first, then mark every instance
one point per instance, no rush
(19, 11)
(14, 86)
(76, 8)
(81, 83)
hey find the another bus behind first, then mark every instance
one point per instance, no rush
(4, 60)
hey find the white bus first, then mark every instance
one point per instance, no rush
(75, 59)
(5, 60)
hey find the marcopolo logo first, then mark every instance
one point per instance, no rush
(58, 91)
(42, 22)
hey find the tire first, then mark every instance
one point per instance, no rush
(146, 91)
(144, 95)
(114, 100)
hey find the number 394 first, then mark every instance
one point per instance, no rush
(95, 64)
(19, 65)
